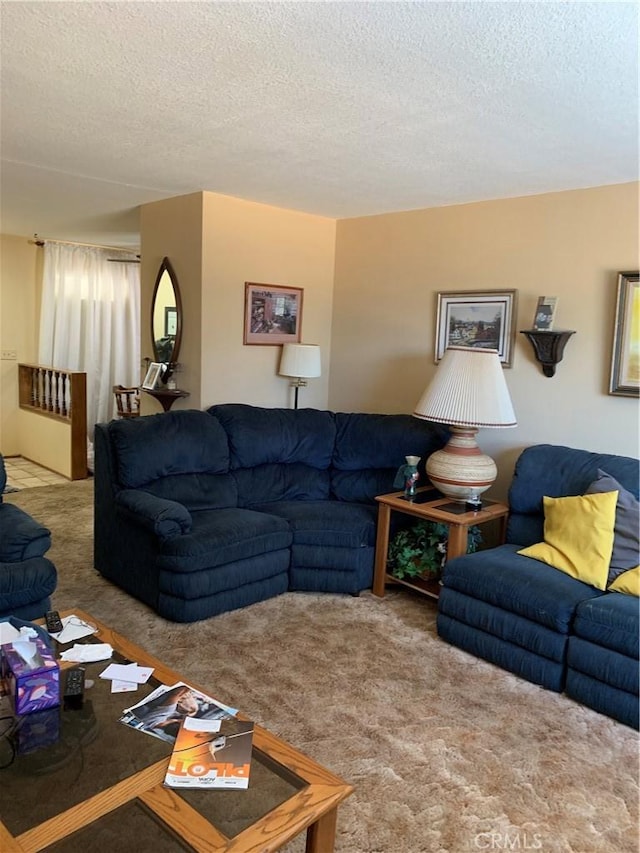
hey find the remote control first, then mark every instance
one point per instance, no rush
(74, 688)
(54, 622)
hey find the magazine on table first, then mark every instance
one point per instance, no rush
(161, 713)
(211, 754)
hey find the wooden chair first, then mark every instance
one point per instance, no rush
(127, 401)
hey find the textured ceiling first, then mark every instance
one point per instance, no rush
(338, 109)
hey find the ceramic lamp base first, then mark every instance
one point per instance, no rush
(461, 471)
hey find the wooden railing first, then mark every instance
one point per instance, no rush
(60, 395)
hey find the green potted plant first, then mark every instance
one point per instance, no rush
(421, 550)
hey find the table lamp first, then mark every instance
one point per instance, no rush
(302, 362)
(468, 392)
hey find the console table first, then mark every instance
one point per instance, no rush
(165, 396)
(458, 518)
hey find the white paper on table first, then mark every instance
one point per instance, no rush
(123, 686)
(85, 653)
(73, 630)
(130, 672)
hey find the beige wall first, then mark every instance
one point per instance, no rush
(173, 229)
(376, 323)
(389, 269)
(20, 274)
(240, 241)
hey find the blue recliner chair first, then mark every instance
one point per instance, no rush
(27, 577)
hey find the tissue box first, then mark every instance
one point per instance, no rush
(32, 674)
(38, 730)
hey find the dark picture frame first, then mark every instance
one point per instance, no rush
(272, 314)
(624, 378)
(170, 322)
(479, 319)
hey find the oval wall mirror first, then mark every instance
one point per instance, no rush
(166, 315)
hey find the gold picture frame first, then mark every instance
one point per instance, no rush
(624, 379)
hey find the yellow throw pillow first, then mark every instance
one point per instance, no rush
(628, 582)
(578, 536)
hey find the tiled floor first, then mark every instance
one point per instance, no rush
(22, 474)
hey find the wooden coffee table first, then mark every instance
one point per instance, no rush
(100, 786)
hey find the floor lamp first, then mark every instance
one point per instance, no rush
(301, 362)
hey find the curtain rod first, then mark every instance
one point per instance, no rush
(40, 241)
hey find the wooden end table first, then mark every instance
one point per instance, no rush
(444, 510)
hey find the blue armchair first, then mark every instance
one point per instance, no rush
(27, 577)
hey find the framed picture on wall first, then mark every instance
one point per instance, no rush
(477, 318)
(272, 314)
(150, 382)
(625, 358)
(170, 321)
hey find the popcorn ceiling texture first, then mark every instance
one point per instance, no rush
(337, 109)
(447, 753)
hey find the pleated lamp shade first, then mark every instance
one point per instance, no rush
(469, 391)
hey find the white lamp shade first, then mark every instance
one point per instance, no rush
(300, 360)
(469, 389)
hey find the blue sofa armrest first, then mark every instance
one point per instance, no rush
(21, 537)
(163, 517)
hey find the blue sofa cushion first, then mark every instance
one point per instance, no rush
(224, 536)
(611, 621)
(260, 436)
(162, 517)
(497, 622)
(277, 482)
(173, 443)
(21, 536)
(24, 583)
(557, 471)
(619, 704)
(529, 665)
(604, 665)
(197, 491)
(327, 523)
(529, 588)
(370, 448)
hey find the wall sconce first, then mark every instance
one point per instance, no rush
(548, 347)
(302, 362)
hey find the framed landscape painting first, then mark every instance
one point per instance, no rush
(482, 319)
(272, 314)
(625, 359)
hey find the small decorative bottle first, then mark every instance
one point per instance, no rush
(407, 477)
(411, 476)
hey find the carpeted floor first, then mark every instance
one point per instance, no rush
(447, 753)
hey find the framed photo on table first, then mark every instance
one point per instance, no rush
(483, 319)
(625, 358)
(150, 382)
(272, 314)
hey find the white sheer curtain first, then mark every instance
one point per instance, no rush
(90, 321)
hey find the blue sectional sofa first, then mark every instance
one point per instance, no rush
(200, 512)
(536, 621)
(27, 577)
